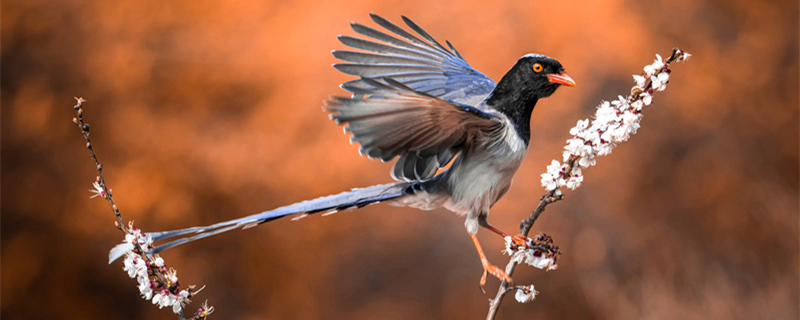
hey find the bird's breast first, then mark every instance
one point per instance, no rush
(481, 175)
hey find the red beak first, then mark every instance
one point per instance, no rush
(561, 78)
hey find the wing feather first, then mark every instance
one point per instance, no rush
(424, 131)
(418, 61)
(371, 58)
(423, 33)
(367, 45)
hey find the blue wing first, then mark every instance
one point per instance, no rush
(423, 65)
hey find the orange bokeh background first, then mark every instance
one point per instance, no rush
(203, 111)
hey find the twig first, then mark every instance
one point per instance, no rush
(525, 226)
(155, 270)
(101, 181)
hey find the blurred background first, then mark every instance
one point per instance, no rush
(204, 111)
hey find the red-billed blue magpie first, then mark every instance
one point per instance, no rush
(422, 103)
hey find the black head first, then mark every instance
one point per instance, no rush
(541, 74)
(533, 77)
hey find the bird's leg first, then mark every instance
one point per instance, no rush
(495, 230)
(485, 223)
(517, 239)
(488, 267)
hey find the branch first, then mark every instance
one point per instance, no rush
(150, 271)
(551, 196)
(614, 123)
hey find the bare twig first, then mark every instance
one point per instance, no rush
(101, 181)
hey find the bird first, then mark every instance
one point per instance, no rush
(421, 103)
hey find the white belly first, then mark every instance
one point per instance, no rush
(476, 180)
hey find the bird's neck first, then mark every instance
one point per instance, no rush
(517, 106)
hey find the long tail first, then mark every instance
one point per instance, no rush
(355, 198)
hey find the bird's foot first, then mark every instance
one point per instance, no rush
(497, 273)
(520, 240)
(488, 267)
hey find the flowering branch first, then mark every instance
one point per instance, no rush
(156, 282)
(614, 123)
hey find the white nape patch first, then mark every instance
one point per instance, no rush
(534, 55)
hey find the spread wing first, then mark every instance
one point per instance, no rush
(423, 65)
(424, 131)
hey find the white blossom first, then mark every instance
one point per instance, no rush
(578, 147)
(146, 289)
(554, 168)
(575, 146)
(172, 276)
(655, 83)
(662, 78)
(538, 260)
(526, 294)
(604, 149)
(133, 236)
(134, 265)
(137, 237)
(573, 183)
(167, 299)
(581, 126)
(146, 243)
(605, 114)
(681, 55)
(622, 132)
(640, 81)
(553, 179)
(587, 161)
(631, 118)
(659, 82)
(205, 309)
(647, 99)
(181, 300)
(592, 137)
(655, 67)
(549, 182)
(158, 261)
(98, 191)
(637, 105)
(157, 298)
(137, 267)
(620, 104)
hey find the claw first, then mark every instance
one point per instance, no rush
(497, 273)
(483, 281)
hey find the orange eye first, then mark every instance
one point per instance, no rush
(537, 67)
